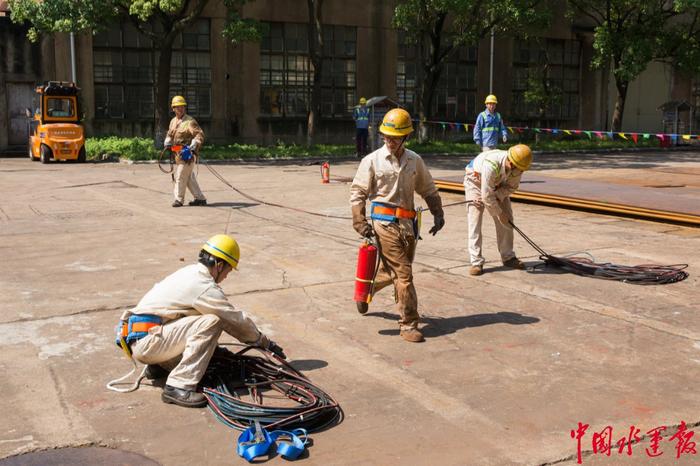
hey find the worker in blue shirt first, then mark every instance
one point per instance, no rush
(361, 116)
(489, 125)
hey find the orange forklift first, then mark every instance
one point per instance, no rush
(55, 131)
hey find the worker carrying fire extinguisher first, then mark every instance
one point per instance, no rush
(388, 178)
(489, 181)
(184, 132)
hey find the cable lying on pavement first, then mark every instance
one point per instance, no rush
(636, 274)
(243, 390)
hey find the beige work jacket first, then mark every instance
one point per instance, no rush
(490, 181)
(184, 132)
(192, 291)
(382, 178)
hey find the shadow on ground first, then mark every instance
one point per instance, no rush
(439, 326)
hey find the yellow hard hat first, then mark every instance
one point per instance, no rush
(224, 247)
(491, 99)
(520, 155)
(178, 101)
(397, 122)
(363, 101)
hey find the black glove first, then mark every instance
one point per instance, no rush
(276, 349)
(367, 231)
(439, 223)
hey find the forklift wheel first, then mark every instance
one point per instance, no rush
(45, 154)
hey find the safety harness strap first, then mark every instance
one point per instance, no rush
(136, 328)
(255, 441)
(379, 211)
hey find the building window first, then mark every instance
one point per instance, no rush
(286, 74)
(124, 72)
(455, 93)
(550, 62)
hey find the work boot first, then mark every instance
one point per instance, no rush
(154, 371)
(412, 334)
(362, 307)
(182, 397)
(177, 204)
(476, 270)
(514, 263)
(198, 202)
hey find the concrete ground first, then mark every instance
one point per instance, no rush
(513, 361)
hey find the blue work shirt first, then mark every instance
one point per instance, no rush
(361, 116)
(488, 129)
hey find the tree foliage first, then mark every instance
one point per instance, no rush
(171, 17)
(629, 34)
(438, 27)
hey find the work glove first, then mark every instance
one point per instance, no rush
(168, 143)
(276, 349)
(359, 221)
(505, 138)
(478, 203)
(439, 223)
(504, 218)
(193, 146)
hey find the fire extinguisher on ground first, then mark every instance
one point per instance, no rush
(366, 270)
(325, 172)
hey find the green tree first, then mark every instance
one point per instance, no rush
(438, 27)
(171, 17)
(629, 34)
(542, 92)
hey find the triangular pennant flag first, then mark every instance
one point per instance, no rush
(510, 128)
(660, 136)
(520, 130)
(578, 131)
(599, 134)
(686, 137)
(466, 127)
(646, 135)
(588, 133)
(555, 131)
(622, 135)
(634, 137)
(443, 126)
(537, 130)
(549, 130)
(611, 135)
(567, 132)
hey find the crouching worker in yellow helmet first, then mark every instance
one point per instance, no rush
(489, 181)
(176, 325)
(388, 178)
(185, 134)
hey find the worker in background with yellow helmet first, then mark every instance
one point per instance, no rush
(388, 178)
(489, 181)
(176, 325)
(489, 126)
(185, 131)
(361, 116)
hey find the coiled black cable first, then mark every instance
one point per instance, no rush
(242, 389)
(637, 274)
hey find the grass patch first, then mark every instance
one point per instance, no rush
(143, 148)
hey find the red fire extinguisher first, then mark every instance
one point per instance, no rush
(325, 172)
(364, 277)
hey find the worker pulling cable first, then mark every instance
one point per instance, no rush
(645, 274)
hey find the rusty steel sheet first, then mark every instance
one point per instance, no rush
(679, 206)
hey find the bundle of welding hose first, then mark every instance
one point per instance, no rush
(243, 388)
(635, 274)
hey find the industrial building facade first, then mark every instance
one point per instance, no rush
(259, 92)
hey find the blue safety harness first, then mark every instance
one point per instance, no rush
(255, 441)
(135, 328)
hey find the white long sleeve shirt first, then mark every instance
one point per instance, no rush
(191, 291)
(487, 179)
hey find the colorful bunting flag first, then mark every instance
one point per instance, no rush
(634, 137)
(567, 132)
(588, 133)
(686, 137)
(622, 135)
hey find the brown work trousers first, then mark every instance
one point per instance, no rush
(398, 248)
